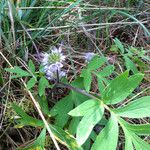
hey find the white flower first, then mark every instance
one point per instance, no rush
(89, 56)
(52, 63)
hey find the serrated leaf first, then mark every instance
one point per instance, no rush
(31, 83)
(108, 137)
(43, 83)
(130, 65)
(31, 66)
(136, 109)
(84, 108)
(17, 70)
(87, 123)
(121, 87)
(119, 45)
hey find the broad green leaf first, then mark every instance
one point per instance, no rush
(140, 144)
(128, 140)
(17, 70)
(87, 123)
(119, 45)
(86, 74)
(107, 71)
(44, 105)
(132, 139)
(43, 83)
(140, 129)
(108, 137)
(65, 138)
(31, 66)
(101, 85)
(96, 62)
(26, 119)
(121, 87)
(130, 65)
(31, 83)
(61, 109)
(84, 108)
(136, 109)
(73, 125)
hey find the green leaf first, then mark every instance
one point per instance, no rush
(43, 83)
(84, 108)
(61, 109)
(96, 62)
(38, 144)
(108, 137)
(107, 71)
(65, 138)
(140, 144)
(44, 105)
(132, 138)
(86, 74)
(119, 45)
(26, 119)
(31, 83)
(130, 65)
(73, 125)
(136, 109)
(20, 72)
(140, 129)
(128, 140)
(121, 87)
(31, 66)
(87, 123)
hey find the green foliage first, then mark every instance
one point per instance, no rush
(18, 72)
(43, 83)
(80, 111)
(92, 112)
(108, 136)
(121, 87)
(94, 64)
(137, 109)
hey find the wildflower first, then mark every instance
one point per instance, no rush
(89, 56)
(53, 63)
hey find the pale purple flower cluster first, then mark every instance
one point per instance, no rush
(53, 63)
(88, 56)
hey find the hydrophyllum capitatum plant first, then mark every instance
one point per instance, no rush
(75, 116)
